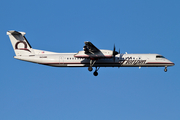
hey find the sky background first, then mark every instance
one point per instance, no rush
(30, 91)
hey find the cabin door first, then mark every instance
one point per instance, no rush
(61, 60)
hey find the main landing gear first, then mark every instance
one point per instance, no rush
(95, 72)
(91, 64)
(90, 67)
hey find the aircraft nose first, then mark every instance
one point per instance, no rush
(172, 64)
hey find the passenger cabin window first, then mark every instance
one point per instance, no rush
(159, 56)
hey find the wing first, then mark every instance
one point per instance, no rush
(90, 48)
(90, 51)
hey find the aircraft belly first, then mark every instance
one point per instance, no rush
(107, 65)
(39, 59)
(76, 65)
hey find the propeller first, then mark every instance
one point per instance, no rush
(115, 52)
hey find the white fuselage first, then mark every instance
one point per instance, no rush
(121, 60)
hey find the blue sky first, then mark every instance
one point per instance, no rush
(31, 91)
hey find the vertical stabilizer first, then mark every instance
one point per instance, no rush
(20, 44)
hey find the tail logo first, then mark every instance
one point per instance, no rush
(21, 45)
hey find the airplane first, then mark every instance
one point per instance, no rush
(89, 57)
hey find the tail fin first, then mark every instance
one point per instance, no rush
(20, 44)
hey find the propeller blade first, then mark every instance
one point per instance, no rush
(114, 51)
(114, 48)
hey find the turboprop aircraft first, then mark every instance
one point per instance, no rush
(90, 57)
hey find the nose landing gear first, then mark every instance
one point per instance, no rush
(165, 69)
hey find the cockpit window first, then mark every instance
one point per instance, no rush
(159, 56)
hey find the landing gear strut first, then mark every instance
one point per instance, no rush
(91, 64)
(165, 69)
(92, 61)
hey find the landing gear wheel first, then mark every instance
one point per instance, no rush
(165, 70)
(90, 68)
(95, 73)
